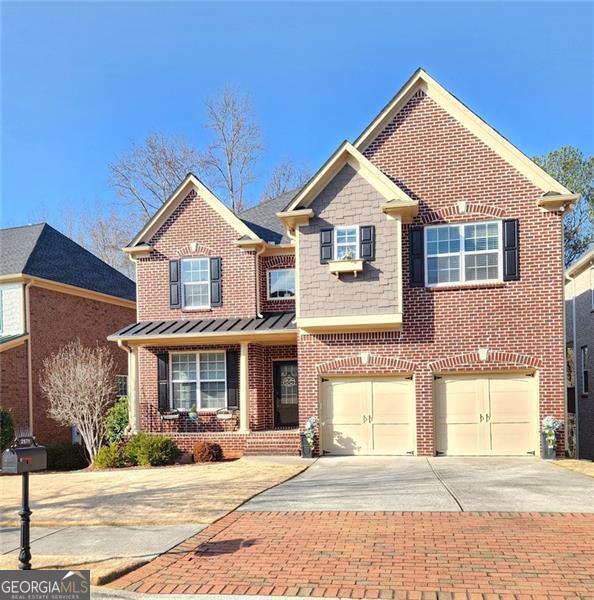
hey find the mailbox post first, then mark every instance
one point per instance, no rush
(23, 457)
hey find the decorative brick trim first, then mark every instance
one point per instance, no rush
(451, 213)
(364, 362)
(495, 359)
(195, 249)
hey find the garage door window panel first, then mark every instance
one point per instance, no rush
(466, 253)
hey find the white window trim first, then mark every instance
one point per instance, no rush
(1, 311)
(592, 285)
(584, 358)
(190, 283)
(197, 381)
(357, 244)
(462, 255)
(272, 298)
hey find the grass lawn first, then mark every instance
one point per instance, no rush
(199, 493)
(585, 467)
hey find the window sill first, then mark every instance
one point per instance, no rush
(194, 310)
(463, 286)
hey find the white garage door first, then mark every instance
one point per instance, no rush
(494, 414)
(367, 416)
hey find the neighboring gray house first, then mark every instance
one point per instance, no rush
(579, 313)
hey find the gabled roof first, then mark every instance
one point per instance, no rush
(262, 218)
(42, 251)
(178, 195)
(348, 154)
(421, 80)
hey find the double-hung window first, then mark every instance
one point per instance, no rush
(585, 371)
(464, 253)
(198, 379)
(195, 279)
(346, 243)
(281, 284)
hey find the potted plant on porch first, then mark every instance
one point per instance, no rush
(308, 438)
(550, 426)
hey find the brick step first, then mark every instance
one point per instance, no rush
(273, 442)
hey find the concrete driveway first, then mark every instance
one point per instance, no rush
(431, 484)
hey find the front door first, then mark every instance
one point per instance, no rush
(286, 394)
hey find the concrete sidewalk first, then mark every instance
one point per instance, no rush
(101, 541)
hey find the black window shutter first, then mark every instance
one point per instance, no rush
(417, 257)
(326, 244)
(163, 378)
(174, 284)
(511, 250)
(216, 298)
(367, 242)
(232, 379)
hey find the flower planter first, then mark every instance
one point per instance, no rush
(170, 417)
(346, 266)
(548, 453)
(224, 416)
(306, 451)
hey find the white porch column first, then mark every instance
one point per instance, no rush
(244, 409)
(133, 407)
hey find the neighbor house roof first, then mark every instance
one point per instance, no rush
(262, 219)
(42, 251)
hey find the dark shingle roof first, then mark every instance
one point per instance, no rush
(41, 251)
(195, 327)
(262, 219)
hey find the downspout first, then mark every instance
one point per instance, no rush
(257, 259)
(575, 371)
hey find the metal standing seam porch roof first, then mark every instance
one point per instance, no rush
(192, 328)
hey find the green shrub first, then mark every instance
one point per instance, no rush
(66, 457)
(204, 451)
(116, 421)
(110, 457)
(6, 429)
(152, 449)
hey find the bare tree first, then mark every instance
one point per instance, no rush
(285, 176)
(145, 176)
(103, 233)
(79, 383)
(228, 161)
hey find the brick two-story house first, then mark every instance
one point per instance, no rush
(52, 292)
(410, 296)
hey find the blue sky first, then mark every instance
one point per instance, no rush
(82, 80)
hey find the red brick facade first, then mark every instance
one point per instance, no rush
(14, 385)
(195, 222)
(437, 162)
(55, 320)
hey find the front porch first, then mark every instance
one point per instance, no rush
(230, 381)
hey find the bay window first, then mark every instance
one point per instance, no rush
(464, 253)
(198, 379)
